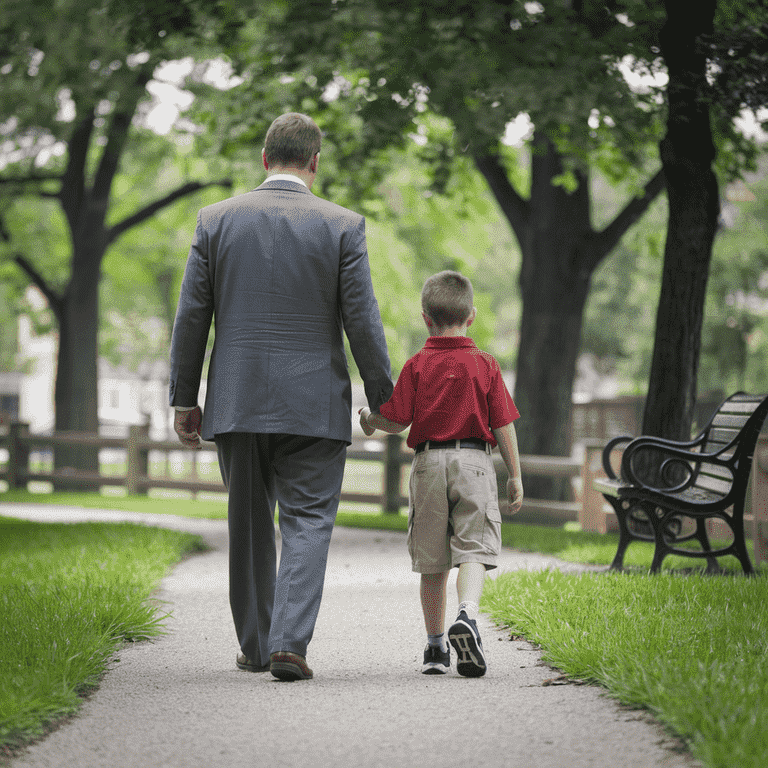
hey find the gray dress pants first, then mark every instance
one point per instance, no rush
(276, 609)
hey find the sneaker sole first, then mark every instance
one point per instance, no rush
(436, 669)
(470, 659)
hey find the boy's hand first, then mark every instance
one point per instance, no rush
(515, 494)
(367, 428)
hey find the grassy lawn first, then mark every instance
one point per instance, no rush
(70, 595)
(693, 649)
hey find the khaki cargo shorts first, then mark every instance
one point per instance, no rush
(453, 514)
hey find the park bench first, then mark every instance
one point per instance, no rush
(698, 480)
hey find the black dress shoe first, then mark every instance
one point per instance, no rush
(285, 665)
(245, 663)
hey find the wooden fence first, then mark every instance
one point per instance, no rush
(588, 508)
(138, 479)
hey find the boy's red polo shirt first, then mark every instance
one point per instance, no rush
(450, 390)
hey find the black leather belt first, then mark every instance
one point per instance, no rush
(465, 442)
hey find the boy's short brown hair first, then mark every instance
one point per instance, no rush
(447, 298)
(292, 141)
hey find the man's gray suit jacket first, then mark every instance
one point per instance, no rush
(285, 274)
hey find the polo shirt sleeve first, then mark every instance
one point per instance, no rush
(400, 407)
(501, 408)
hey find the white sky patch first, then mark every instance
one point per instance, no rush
(518, 131)
(168, 103)
(748, 123)
(639, 81)
(175, 72)
(137, 59)
(220, 74)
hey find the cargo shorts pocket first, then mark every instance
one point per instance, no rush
(492, 528)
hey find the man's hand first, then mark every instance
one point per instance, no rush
(515, 494)
(367, 428)
(187, 427)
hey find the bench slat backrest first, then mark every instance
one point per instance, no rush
(732, 433)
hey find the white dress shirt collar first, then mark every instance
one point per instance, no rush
(284, 177)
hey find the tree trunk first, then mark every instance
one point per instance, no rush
(560, 251)
(687, 153)
(554, 284)
(76, 388)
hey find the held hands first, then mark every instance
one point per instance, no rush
(367, 428)
(187, 427)
(515, 494)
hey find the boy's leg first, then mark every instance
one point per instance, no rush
(469, 585)
(433, 598)
(463, 633)
(437, 655)
(475, 546)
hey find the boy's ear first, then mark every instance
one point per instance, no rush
(471, 318)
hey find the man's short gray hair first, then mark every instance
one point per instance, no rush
(292, 141)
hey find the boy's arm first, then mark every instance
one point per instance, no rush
(370, 422)
(506, 437)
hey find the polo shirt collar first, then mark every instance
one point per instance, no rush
(449, 342)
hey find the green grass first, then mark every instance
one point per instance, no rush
(70, 595)
(691, 649)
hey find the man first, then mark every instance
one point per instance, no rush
(283, 272)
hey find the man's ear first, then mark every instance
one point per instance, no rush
(471, 318)
(313, 163)
(427, 319)
(264, 159)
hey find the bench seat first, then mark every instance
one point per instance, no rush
(662, 482)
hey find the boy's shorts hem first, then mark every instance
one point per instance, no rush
(429, 570)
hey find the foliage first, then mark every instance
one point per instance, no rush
(625, 291)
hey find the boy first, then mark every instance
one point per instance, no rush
(454, 399)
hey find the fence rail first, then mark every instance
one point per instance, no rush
(588, 507)
(138, 479)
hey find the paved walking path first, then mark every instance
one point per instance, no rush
(180, 702)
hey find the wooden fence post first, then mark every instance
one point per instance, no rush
(18, 455)
(392, 467)
(760, 501)
(138, 459)
(592, 516)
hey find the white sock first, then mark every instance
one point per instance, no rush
(471, 609)
(438, 641)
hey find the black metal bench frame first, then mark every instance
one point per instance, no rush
(701, 479)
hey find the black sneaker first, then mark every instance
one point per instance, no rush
(436, 662)
(465, 639)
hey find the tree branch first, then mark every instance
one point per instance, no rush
(150, 210)
(606, 240)
(55, 300)
(514, 207)
(117, 135)
(73, 180)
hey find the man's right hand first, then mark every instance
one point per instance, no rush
(187, 426)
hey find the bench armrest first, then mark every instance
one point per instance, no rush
(675, 456)
(609, 446)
